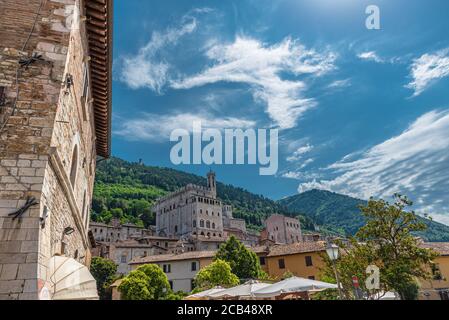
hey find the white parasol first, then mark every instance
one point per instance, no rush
(70, 280)
(291, 285)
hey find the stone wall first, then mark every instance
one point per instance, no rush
(38, 142)
(282, 229)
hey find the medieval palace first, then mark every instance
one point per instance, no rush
(195, 211)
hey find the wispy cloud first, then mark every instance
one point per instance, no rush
(415, 163)
(371, 56)
(427, 69)
(251, 62)
(298, 153)
(338, 84)
(157, 128)
(148, 68)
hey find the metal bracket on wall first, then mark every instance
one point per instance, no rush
(31, 201)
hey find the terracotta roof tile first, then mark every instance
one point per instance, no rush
(300, 247)
(441, 247)
(173, 257)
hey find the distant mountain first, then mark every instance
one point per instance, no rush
(127, 190)
(341, 213)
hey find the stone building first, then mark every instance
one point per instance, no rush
(282, 229)
(55, 112)
(194, 213)
(192, 210)
(180, 269)
(115, 231)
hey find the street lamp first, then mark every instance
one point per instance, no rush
(332, 251)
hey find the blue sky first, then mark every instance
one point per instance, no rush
(359, 112)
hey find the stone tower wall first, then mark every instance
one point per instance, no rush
(37, 143)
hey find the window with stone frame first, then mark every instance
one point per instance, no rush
(309, 262)
(2, 98)
(74, 166)
(281, 263)
(85, 93)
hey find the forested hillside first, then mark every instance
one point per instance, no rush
(342, 213)
(127, 191)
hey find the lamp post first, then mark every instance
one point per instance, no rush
(332, 251)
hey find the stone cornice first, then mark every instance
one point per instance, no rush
(64, 181)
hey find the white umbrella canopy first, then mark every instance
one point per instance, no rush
(243, 290)
(293, 284)
(205, 294)
(70, 280)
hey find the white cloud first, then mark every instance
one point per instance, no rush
(415, 163)
(371, 56)
(249, 61)
(148, 68)
(157, 128)
(427, 69)
(340, 84)
(297, 155)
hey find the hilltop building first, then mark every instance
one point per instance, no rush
(194, 212)
(55, 113)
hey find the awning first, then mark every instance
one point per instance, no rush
(204, 294)
(290, 285)
(70, 280)
(244, 290)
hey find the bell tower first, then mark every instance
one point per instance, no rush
(211, 182)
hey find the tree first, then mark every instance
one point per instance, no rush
(135, 286)
(147, 282)
(386, 242)
(103, 270)
(244, 263)
(218, 273)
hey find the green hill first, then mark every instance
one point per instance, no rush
(341, 212)
(127, 190)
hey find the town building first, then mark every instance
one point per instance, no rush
(282, 229)
(180, 269)
(55, 113)
(195, 213)
(436, 288)
(115, 231)
(303, 259)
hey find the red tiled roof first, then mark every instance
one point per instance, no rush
(441, 247)
(173, 257)
(300, 247)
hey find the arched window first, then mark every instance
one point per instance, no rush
(83, 213)
(176, 228)
(212, 213)
(208, 234)
(194, 223)
(213, 225)
(202, 233)
(214, 234)
(74, 166)
(208, 224)
(207, 212)
(202, 223)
